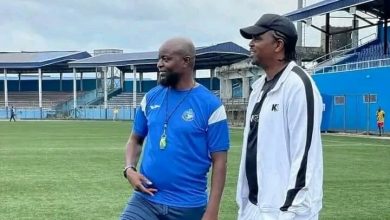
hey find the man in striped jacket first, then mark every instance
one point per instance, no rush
(281, 170)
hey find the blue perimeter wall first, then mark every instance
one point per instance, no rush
(355, 114)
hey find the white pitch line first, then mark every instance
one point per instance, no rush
(360, 144)
(335, 141)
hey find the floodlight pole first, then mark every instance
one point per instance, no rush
(6, 92)
(40, 91)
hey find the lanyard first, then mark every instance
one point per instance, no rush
(163, 139)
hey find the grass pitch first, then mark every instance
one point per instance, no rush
(73, 170)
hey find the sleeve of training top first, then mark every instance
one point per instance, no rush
(300, 119)
(218, 131)
(140, 126)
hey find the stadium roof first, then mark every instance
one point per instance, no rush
(376, 7)
(48, 61)
(206, 58)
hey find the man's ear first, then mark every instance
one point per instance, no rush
(280, 45)
(187, 59)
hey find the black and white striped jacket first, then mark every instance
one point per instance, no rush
(289, 149)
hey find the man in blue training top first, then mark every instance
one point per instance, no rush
(186, 132)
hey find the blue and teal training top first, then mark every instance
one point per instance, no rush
(197, 128)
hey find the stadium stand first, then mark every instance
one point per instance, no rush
(354, 82)
(26, 78)
(30, 98)
(371, 51)
(125, 99)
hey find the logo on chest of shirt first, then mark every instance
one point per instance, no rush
(188, 115)
(154, 107)
(275, 107)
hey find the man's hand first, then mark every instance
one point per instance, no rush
(138, 181)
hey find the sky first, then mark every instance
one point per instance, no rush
(139, 25)
(131, 25)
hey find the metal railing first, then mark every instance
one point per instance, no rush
(353, 66)
(81, 113)
(235, 101)
(24, 104)
(332, 56)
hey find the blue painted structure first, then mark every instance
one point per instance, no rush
(355, 114)
(327, 6)
(90, 113)
(149, 84)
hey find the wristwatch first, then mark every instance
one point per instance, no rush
(128, 167)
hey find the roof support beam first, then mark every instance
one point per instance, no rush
(40, 91)
(386, 10)
(299, 26)
(6, 92)
(353, 29)
(141, 79)
(364, 19)
(327, 35)
(75, 92)
(134, 68)
(212, 75)
(385, 37)
(315, 27)
(60, 82)
(327, 6)
(105, 70)
(19, 79)
(81, 82)
(96, 81)
(122, 80)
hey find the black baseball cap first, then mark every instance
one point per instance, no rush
(269, 22)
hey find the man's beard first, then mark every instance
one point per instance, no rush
(169, 79)
(255, 61)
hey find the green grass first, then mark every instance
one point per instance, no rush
(73, 170)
